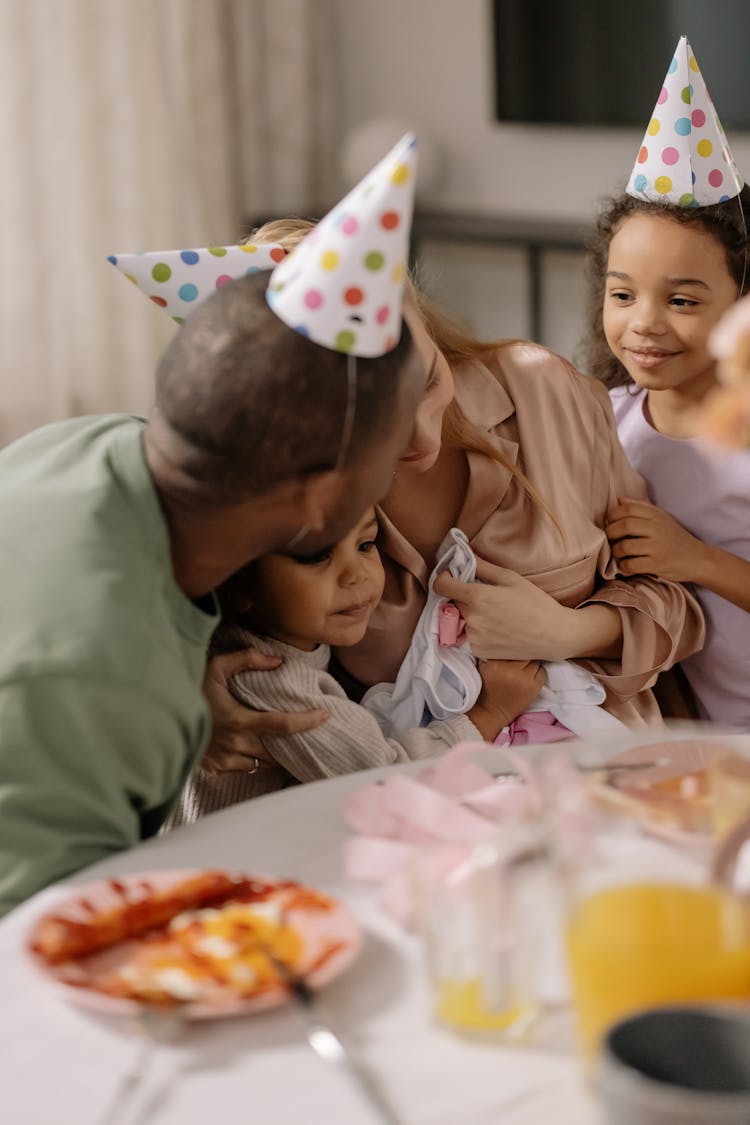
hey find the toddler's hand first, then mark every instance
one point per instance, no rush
(508, 688)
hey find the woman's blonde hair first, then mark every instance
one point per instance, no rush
(455, 341)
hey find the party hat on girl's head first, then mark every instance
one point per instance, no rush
(343, 285)
(178, 280)
(684, 157)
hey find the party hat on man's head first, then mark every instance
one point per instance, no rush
(684, 157)
(178, 280)
(343, 284)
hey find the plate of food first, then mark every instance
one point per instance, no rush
(667, 786)
(208, 943)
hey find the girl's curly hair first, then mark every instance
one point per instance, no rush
(729, 222)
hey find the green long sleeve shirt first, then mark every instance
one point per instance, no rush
(102, 656)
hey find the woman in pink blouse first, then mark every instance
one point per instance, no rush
(520, 451)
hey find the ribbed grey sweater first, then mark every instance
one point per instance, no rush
(349, 740)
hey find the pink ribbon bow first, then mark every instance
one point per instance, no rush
(453, 802)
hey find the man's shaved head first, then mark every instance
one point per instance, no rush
(254, 404)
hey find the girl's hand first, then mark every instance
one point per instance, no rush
(508, 688)
(646, 540)
(509, 618)
(237, 730)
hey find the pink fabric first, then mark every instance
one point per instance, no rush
(453, 802)
(451, 625)
(534, 727)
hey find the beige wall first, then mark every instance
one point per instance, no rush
(429, 63)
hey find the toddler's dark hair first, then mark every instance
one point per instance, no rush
(729, 222)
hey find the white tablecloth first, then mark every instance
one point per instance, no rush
(59, 1064)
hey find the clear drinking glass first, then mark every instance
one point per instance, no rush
(484, 914)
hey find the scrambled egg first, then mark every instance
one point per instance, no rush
(205, 952)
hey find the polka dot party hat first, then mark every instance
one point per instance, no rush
(684, 157)
(343, 284)
(178, 280)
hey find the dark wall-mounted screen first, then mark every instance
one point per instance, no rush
(600, 62)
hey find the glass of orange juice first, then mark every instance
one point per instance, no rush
(645, 928)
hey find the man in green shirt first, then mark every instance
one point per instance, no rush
(113, 534)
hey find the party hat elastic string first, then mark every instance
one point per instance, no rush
(346, 439)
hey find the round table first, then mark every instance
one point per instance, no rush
(61, 1064)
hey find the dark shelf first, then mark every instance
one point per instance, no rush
(534, 236)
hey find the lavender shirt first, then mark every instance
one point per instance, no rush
(708, 492)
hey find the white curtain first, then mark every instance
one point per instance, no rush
(133, 125)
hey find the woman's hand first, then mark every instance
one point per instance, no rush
(646, 540)
(508, 688)
(507, 617)
(237, 730)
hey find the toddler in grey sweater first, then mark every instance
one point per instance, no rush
(297, 609)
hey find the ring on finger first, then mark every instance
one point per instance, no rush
(256, 766)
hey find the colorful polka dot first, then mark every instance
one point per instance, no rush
(278, 254)
(161, 272)
(715, 177)
(698, 118)
(654, 126)
(187, 292)
(130, 278)
(222, 280)
(302, 329)
(673, 65)
(640, 183)
(663, 95)
(251, 270)
(189, 257)
(249, 248)
(686, 93)
(704, 147)
(160, 302)
(111, 258)
(345, 340)
(178, 319)
(217, 251)
(683, 126)
(687, 199)
(723, 198)
(693, 64)
(346, 289)
(663, 185)
(670, 155)
(643, 155)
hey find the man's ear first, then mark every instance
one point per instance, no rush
(319, 495)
